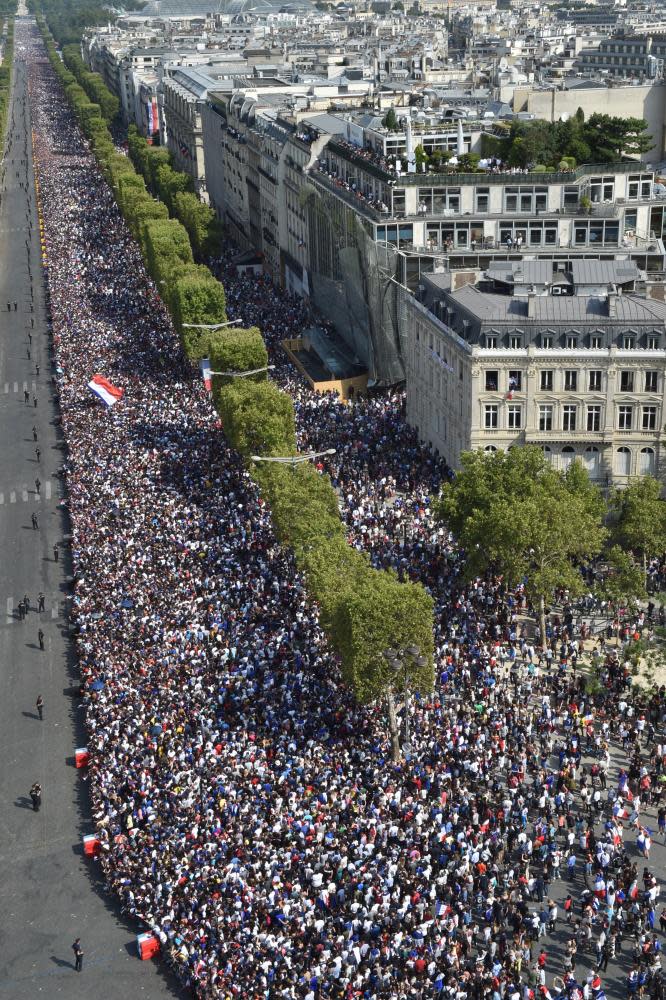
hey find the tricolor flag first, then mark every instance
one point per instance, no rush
(204, 365)
(633, 891)
(108, 393)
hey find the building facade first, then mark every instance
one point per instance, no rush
(571, 359)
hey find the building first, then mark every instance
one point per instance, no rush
(568, 357)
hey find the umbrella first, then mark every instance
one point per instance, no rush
(126, 603)
(97, 685)
(155, 730)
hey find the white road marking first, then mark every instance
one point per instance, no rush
(15, 386)
(6, 386)
(10, 607)
(12, 497)
(24, 496)
(54, 612)
(47, 490)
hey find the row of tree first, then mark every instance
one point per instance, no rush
(190, 292)
(516, 516)
(365, 612)
(68, 20)
(175, 189)
(92, 83)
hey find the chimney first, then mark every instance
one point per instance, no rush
(612, 305)
(531, 302)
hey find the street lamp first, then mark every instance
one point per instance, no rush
(293, 460)
(400, 660)
(253, 371)
(210, 326)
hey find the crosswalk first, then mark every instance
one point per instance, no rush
(20, 387)
(24, 494)
(52, 610)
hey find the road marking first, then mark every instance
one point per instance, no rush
(24, 495)
(15, 386)
(6, 386)
(25, 386)
(10, 607)
(47, 490)
(34, 386)
(54, 612)
(2, 498)
(12, 497)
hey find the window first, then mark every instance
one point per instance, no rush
(525, 199)
(482, 199)
(546, 340)
(572, 342)
(651, 381)
(514, 414)
(652, 342)
(490, 447)
(625, 417)
(569, 417)
(491, 340)
(492, 381)
(628, 343)
(570, 380)
(491, 412)
(646, 462)
(623, 462)
(649, 418)
(515, 381)
(591, 460)
(596, 343)
(545, 417)
(546, 381)
(595, 381)
(515, 341)
(626, 381)
(568, 456)
(594, 417)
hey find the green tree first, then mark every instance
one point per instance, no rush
(200, 221)
(258, 419)
(237, 350)
(514, 514)
(623, 581)
(169, 182)
(197, 298)
(640, 519)
(390, 121)
(610, 138)
(377, 615)
(304, 506)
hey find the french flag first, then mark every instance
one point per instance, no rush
(204, 365)
(108, 393)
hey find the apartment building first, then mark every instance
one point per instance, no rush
(565, 356)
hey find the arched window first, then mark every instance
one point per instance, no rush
(490, 447)
(568, 455)
(592, 461)
(547, 452)
(646, 462)
(623, 462)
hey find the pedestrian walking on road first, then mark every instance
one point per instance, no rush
(15, 306)
(35, 522)
(26, 396)
(78, 955)
(34, 399)
(36, 796)
(56, 552)
(38, 484)
(40, 602)
(21, 610)
(34, 433)
(38, 454)
(39, 705)
(36, 368)
(40, 637)
(9, 307)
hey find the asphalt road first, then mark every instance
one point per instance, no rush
(50, 893)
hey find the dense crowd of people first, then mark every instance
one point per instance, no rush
(248, 810)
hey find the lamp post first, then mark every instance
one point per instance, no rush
(253, 371)
(400, 661)
(210, 326)
(293, 460)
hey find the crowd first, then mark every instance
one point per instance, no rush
(248, 810)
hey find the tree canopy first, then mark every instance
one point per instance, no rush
(641, 518)
(516, 515)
